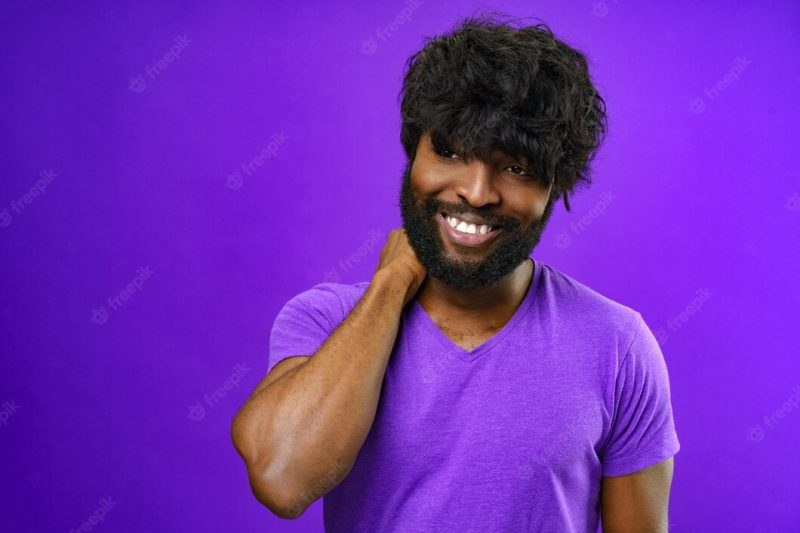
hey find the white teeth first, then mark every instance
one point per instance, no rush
(465, 227)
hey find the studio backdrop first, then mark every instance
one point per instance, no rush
(173, 173)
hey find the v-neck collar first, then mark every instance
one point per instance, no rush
(471, 355)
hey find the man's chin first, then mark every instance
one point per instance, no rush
(460, 272)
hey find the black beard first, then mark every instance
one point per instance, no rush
(514, 243)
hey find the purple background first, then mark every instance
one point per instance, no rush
(694, 220)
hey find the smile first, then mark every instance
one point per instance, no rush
(466, 233)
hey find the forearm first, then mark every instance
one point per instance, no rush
(312, 421)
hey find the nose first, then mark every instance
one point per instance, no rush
(477, 185)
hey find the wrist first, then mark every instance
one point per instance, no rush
(390, 283)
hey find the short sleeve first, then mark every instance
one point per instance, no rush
(305, 322)
(642, 430)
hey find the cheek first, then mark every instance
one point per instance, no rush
(428, 181)
(529, 209)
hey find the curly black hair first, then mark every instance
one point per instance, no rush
(493, 84)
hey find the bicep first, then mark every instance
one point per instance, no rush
(638, 502)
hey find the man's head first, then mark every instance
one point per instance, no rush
(498, 123)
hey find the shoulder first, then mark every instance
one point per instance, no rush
(331, 300)
(584, 309)
(310, 317)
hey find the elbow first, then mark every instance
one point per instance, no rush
(276, 496)
(271, 489)
(271, 484)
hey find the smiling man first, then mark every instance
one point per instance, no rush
(472, 244)
(466, 386)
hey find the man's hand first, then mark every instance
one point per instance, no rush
(398, 259)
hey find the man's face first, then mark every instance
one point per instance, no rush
(496, 192)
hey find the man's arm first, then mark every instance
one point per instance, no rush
(638, 502)
(307, 420)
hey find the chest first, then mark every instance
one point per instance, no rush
(467, 338)
(508, 417)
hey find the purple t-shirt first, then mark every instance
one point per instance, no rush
(511, 436)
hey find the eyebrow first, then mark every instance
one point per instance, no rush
(458, 146)
(520, 159)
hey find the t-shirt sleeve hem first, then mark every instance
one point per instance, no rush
(629, 465)
(275, 360)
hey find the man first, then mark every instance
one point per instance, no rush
(467, 387)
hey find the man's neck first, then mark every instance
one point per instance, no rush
(488, 306)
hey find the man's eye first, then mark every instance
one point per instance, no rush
(447, 153)
(516, 169)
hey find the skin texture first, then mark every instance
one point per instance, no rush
(637, 503)
(308, 418)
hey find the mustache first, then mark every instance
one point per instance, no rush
(433, 207)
